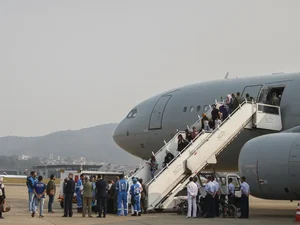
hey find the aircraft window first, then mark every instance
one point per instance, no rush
(132, 113)
(198, 108)
(184, 109)
(206, 108)
(192, 109)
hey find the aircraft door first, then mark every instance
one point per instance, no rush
(157, 112)
(252, 90)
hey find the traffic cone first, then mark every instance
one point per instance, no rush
(297, 218)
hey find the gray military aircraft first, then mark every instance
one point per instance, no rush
(270, 162)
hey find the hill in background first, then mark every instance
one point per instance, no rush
(95, 144)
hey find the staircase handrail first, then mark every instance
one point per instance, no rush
(222, 123)
(201, 143)
(176, 135)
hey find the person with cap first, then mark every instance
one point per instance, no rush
(141, 188)
(87, 196)
(69, 193)
(51, 189)
(135, 192)
(39, 196)
(122, 188)
(168, 158)
(2, 195)
(79, 190)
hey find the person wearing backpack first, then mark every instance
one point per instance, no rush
(51, 189)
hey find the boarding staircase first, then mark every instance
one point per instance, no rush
(202, 151)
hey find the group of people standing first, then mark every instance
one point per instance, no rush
(212, 198)
(138, 195)
(105, 196)
(37, 191)
(90, 192)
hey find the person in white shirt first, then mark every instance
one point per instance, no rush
(195, 179)
(217, 196)
(245, 189)
(192, 191)
(210, 189)
(231, 191)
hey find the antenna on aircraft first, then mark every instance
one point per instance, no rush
(226, 76)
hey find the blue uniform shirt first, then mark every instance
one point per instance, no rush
(135, 189)
(32, 181)
(210, 188)
(39, 188)
(94, 188)
(78, 185)
(122, 186)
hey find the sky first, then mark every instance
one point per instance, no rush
(74, 64)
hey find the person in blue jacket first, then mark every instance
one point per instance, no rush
(39, 196)
(78, 190)
(122, 188)
(31, 180)
(135, 192)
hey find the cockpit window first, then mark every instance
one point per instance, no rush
(132, 113)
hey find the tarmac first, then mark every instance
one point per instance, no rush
(261, 212)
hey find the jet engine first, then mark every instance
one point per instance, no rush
(271, 165)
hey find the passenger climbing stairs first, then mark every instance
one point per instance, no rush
(202, 151)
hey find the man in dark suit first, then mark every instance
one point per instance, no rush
(102, 188)
(69, 193)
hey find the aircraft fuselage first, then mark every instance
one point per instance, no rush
(157, 119)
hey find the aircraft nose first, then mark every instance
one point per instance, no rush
(119, 135)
